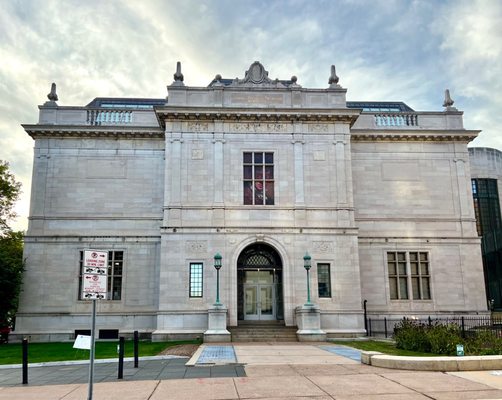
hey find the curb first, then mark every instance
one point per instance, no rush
(446, 364)
(81, 362)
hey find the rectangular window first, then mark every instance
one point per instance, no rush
(486, 205)
(115, 267)
(420, 278)
(409, 270)
(258, 178)
(323, 280)
(196, 279)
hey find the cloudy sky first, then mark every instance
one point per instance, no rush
(383, 50)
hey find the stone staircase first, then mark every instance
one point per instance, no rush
(263, 331)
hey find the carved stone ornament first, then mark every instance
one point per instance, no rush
(324, 128)
(197, 126)
(448, 102)
(257, 127)
(195, 246)
(53, 96)
(178, 76)
(333, 79)
(324, 247)
(256, 75)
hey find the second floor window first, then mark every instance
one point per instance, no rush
(258, 178)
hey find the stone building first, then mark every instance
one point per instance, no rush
(260, 171)
(486, 171)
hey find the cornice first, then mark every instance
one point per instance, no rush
(414, 135)
(80, 131)
(225, 114)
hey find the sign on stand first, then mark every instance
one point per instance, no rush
(94, 287)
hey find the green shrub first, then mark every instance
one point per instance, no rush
(441, 338)
(409, 335)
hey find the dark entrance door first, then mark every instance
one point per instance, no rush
(259, 280)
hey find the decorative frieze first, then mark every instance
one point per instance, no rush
(318, 128)
(258, 127)
(198, 126)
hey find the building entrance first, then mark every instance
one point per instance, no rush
(259, 272)
(259, 295)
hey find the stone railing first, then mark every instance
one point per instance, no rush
(109, 117)
(396, 119)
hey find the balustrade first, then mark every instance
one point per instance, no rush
(109, 117)
(396, 119)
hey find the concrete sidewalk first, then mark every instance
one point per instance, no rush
(281, 372)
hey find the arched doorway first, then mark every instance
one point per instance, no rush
(259, 284)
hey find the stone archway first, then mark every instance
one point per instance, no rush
(259, 284)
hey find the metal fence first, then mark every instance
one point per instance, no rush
(384, 327)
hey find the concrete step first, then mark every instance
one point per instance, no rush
(263, 331)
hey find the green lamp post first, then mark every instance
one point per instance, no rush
(217, 266)
(307, 264)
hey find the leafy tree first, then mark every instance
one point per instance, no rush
(11, 270)
(11, 248)
(10, 190)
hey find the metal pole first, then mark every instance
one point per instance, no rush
(91, 360)
(365, 317)
(136, 340)
(217, 286)
(308, 288)
(121, 358)
(25, 361)
(385, 323)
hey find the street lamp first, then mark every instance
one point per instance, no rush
(307, 264)
(217, 266)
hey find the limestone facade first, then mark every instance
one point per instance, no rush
(163, 182)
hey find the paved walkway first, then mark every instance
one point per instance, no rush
(272, 372)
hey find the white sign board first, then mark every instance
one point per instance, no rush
(94, 286)
(95, 274)
(82, 342)
(95, 262)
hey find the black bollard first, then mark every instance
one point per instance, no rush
(136, 350)
(121, 358)
(25, 361)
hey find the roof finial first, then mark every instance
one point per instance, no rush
(333, 79)
(178, 76)
(448, 102)
(53, 96)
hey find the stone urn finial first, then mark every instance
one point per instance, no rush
(448, 102)
(333, 79)
(53, 96)
(178, 76)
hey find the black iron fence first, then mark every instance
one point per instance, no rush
(384, 327)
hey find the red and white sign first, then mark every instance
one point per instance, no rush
(95, 262)
(95, 274)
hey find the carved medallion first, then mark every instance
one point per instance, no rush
(196, 246)
(324, 247)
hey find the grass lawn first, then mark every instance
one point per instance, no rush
(63, 351)
(382, 347)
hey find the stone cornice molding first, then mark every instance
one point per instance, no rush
(72, 131)
(256, 114)
(414, 136)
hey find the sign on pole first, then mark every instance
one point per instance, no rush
(95, 274)
(94, 286)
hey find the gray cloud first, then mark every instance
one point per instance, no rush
(383, 50)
